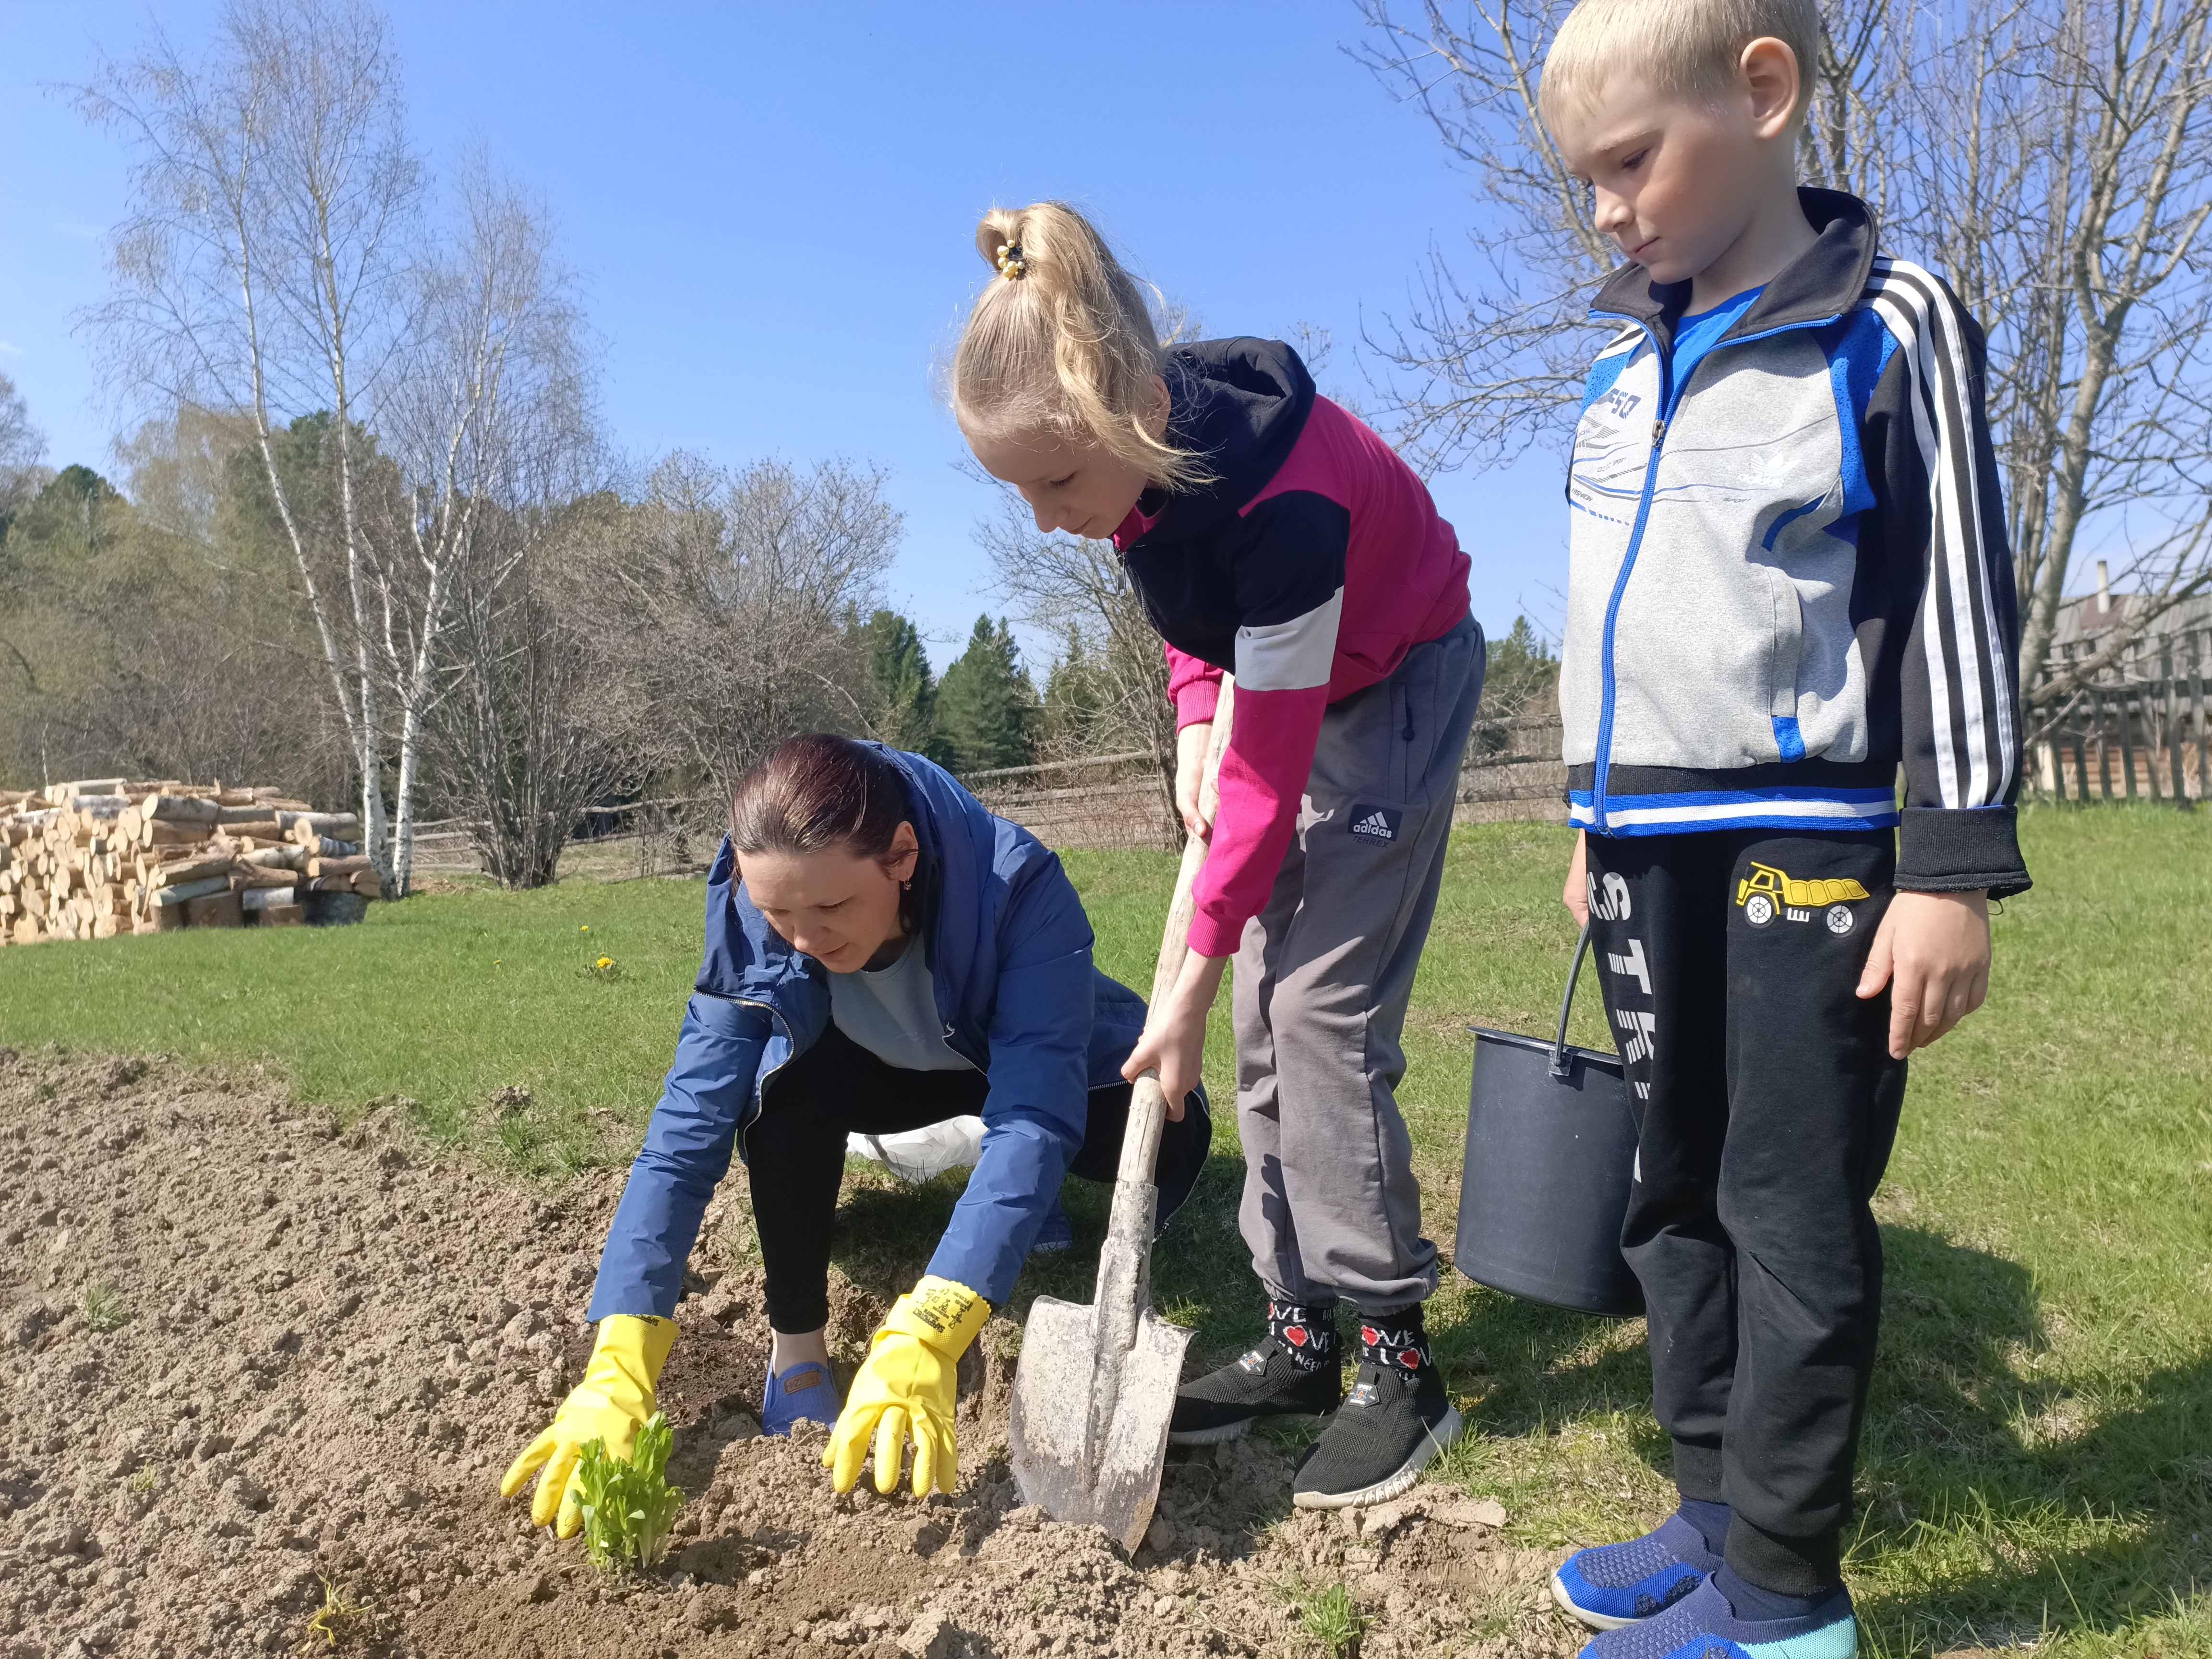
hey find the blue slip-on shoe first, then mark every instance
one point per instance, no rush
(805, 1393)
(1703, 1626)
(1617, 1584)
(1055, 1233)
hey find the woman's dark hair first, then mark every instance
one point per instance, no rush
(818, 790)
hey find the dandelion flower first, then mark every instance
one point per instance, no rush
(586, 928)
(604, 961)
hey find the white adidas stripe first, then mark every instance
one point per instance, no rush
(1953, 626)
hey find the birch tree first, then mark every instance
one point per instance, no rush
(1494, 345)
(262, 267)
(280, 259)
(487, 425)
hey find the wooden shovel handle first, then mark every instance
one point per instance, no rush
(1183, 908)
(1148, 1102)
(1140, 1140)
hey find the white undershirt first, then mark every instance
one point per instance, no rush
(892, 1014)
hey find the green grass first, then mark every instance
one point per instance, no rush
(1329, 1619)
(2038, 1454)
(440, 1001)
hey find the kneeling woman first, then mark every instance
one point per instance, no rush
(882, 954)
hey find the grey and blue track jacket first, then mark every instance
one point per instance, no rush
(1010, 955)
(1789, 575)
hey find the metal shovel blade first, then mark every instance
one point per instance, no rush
(1062, 1460)
(1096, 1386)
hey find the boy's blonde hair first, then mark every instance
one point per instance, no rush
(1062, 341)
(1688, 48)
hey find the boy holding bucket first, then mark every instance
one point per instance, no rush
(1787, 576)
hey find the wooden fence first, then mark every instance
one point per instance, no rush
(1109, 802)
(1112, 803)
(2135, 731)
(1512, 773)
(635, 840)
(444, 847)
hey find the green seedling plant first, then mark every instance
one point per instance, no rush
(103, 1309)
(628, 1508)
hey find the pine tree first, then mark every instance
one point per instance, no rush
(905, 698)
(1076, 696)
(1521, 667)
(986, 709)
(1520, 676)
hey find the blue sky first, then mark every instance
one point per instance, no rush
(772, 208)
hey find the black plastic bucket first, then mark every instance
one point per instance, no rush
(1551, 1150)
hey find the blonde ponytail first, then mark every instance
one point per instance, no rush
(1062, 340)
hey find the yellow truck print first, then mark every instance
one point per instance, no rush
(1767, 892)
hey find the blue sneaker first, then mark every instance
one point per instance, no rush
(1055, 1234)
(1617, 1584)
(1703, 1626)
(805, 1393)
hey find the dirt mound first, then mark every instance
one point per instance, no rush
(247, 1357)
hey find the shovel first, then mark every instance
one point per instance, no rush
(1096, 1386)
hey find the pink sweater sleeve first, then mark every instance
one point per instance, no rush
(1193, 687)
(1272, 738)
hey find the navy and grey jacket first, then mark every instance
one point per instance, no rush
(1308, 567)
(1789, 575)
(1010, 952)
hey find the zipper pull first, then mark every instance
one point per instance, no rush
(1658, 431)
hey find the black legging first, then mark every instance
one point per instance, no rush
(795, 1154)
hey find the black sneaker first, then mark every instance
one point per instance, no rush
(1395, 1420)
(1298, 1368)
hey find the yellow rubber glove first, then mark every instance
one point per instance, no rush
(904, 1387)
(612, 1403)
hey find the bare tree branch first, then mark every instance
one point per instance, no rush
(723, 624)
(1077, 592)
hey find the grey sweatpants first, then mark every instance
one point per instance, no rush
(1322, 978)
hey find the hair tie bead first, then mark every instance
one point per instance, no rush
(1011, 262)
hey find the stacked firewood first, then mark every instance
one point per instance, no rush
(105, 856)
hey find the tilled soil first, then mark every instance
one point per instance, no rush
(248, 1364)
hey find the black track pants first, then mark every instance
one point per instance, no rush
(795, 1154)
(1769, 1104)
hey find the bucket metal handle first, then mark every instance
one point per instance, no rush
(1559, 1066)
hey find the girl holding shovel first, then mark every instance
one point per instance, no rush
(1271, 535)
(882, 954)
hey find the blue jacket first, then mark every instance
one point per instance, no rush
(1010, 951)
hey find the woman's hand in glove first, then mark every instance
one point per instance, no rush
(612, 1404)
(905, 1387)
